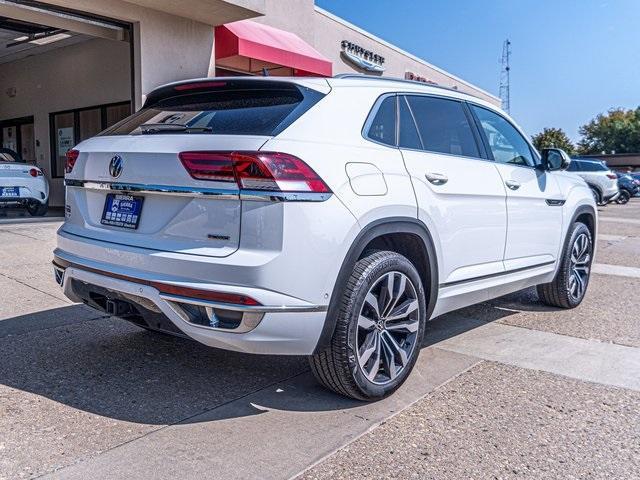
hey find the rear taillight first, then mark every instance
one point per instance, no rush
(72, 156)
(266, 171)
(612, 176)
(34, 172)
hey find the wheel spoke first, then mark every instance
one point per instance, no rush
(409, 326)
(388, 359)
(366, 322)
(397, 349)
(372, 301)
(371, 343)
(407, 307)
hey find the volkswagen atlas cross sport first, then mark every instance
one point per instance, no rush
(322, 217)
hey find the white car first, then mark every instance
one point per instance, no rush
(602, 181)
(22, 185)
(322, 217)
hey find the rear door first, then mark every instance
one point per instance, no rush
(534, 199)
(457, 190)
(129, 186)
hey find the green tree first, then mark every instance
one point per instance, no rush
(553, 138)
(618, 130)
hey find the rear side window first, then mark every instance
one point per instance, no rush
(383, 126)
(593, 167)
(409, 137)
(243, 110)
(443, 126)
(574, 166)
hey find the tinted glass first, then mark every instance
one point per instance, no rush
(443, 126)
(593, 167)
(409, 137)
(506, 143)
(7, 155)
(574, 166)
(226, 112)
(383, 126)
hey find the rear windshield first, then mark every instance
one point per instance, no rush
(226, 111)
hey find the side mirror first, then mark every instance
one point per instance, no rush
(554, 159)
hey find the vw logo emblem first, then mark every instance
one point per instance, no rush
(115, 166)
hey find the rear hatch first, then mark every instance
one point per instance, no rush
(129, 186)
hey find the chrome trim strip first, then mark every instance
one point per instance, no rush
(233, 194)
(220, 194)
(244, 308)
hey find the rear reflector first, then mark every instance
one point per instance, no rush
(72, 157)
(612, 176)
(265, 171)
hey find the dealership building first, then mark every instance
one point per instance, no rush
(71, 68)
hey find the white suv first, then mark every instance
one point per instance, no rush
(321, 217)
(601, 180)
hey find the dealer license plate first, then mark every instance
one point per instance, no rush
(122, 211)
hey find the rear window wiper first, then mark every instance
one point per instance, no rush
(151, 128)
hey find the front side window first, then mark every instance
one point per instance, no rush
(443, 126)
(506, 143)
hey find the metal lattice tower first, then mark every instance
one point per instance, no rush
(505, 70)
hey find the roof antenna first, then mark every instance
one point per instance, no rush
(265, 72)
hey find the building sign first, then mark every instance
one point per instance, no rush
(417, 78)
(363, 58)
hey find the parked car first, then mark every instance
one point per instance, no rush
(22, 185)
(636, 179)
(602, 181)
(322, 217)
(628, 186)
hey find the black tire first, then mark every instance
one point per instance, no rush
(37, 209)
(624, 197)
(560, 293)
(338, 367)
(596, 195)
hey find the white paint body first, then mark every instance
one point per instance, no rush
(488, 240)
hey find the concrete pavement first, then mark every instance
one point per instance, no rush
(507, 388)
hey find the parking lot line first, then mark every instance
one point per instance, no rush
(618, 270)
(633, 221)
(590, 360)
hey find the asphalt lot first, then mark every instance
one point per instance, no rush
(505, 389)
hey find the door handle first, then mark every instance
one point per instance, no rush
(512, 185)
(436, 178)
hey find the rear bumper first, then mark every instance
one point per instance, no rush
(281, 325)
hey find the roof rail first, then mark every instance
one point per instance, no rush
(361, 76)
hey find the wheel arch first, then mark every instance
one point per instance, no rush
(370, 237)
(587, 215)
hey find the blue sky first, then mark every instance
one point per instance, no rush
(571, 59)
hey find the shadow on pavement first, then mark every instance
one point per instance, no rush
(108, 367)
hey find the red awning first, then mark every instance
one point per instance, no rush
(252, 46)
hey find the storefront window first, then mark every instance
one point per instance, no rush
(73, 126)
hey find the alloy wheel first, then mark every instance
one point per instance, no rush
(580, 265)
(388, 326)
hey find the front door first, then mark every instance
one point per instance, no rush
(459, 193)
(534, 199)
